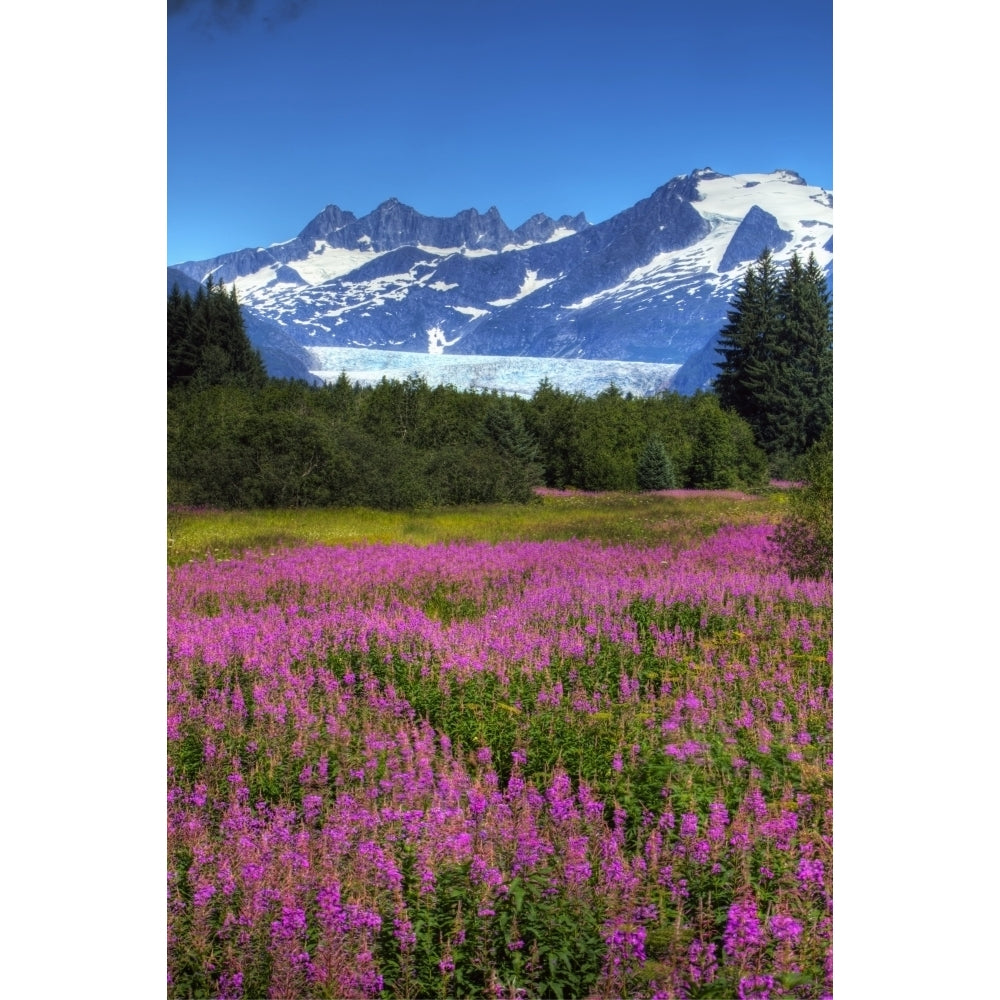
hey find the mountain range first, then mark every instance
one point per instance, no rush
(650, 284)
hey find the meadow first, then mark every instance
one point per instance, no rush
(577, 749)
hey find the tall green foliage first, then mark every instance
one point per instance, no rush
(714, 455)
(777, 356)
(207, 343)
(748, 339)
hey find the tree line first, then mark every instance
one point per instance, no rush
(237, 438)
(404, 444)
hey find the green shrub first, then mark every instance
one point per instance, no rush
(806, 534)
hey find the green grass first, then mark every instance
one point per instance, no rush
(613, 518)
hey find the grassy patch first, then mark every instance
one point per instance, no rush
(612, 518)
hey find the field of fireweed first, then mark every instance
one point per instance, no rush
(523, 769)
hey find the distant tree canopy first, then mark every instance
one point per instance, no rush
(237, 438)
(207, 343)
(399, 445)
(777, 357)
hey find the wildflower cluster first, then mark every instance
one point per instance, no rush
(519, 769)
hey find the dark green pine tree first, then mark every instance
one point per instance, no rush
(794, 384)
(777, 371)
(813, 323)
(207, 343)
(506, 427)
(747, 342)
(654, 470)
(182, 357)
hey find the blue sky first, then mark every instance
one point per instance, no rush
(277, 108)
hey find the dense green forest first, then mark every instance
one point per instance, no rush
(237, 438)
(776, 364)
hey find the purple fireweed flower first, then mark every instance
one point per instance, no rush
(291, 924)
(743, 934)
(702, 964)
(740, 839)
(755, 802)
(785, 928)
(404, 934)
(203, 894)
(231, 987)
(810, 872)
(482, 874)
(755, 988)
(718, 818)
(577, 868)
(626, 943)
(782, 828)
(689, 825)
(477, 802)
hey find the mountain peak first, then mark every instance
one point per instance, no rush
(788, 175)
(330, 220)
(652, 283)
(389, 204)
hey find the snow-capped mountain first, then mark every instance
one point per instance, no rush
(650, 284)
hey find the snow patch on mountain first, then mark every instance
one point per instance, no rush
(471, 311)
(725, 201)
(327, 262)
(530, 284)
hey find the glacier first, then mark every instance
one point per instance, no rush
(511, 376)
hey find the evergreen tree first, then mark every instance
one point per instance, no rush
(747, 341)
(714, 455)
(182, 355)
(207, 343)
(777, 348)
(555, 418)
(506, 428)
(655, 471)
(809, 318)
